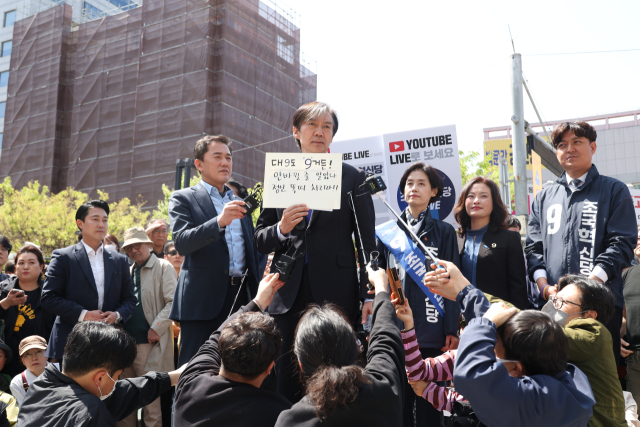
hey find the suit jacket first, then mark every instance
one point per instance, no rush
(70, 288)
(204, 276)
(327, 241)
(500, 270)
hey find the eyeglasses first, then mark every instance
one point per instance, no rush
(173, 252)
(558, 302)
(29, 356)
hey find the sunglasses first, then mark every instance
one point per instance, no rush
(172, 252)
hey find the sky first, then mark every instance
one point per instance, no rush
(394, 66)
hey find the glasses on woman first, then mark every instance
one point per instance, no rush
(37, 353)
(558, 302)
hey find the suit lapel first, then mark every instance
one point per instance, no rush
(83, 260)
(488, 240)
(204, 200)
(314, 214)
(109, 267)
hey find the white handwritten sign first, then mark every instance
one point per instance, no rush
(295, 178)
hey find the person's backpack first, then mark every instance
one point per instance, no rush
(462, 415)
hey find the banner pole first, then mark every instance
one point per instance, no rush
(425, 249)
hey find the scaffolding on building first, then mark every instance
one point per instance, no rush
(144, 85)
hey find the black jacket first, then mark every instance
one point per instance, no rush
(44, 323)
(205, 398)
(328, 243)
(500, 270)
(431, 328)
(571, 233)
(381, 402)
(55, 400)
(70, 287)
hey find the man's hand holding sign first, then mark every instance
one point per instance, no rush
(309, 225)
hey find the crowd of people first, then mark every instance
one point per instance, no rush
(231, 324)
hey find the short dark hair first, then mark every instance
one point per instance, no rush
(98, 345)
(313, 110)
(593, 295)
(5, 243)
(167, 247)
(512, 221)
(31, 249)
(248, 344)
(10, 267)
(499, 214)
(202, 145)
(83, 210)
(435, 180)
(580, 129)
(538, 342)
(242, 190)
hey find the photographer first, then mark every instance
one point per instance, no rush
(221, 384)
(517, 363)
(87, 392)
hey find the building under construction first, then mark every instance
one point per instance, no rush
(112, 103)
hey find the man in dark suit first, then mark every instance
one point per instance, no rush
(325, 269)
(220, 269)
(86, 282)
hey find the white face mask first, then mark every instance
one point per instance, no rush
(112, 390)
(112, 247)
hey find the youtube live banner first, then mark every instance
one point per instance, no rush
(367, 154)
(391, 154)
(437, 147)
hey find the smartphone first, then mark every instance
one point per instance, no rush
(395, 284)
(18, 294)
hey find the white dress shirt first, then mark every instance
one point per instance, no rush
(96, 260)
(597, 270)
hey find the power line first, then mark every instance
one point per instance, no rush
(580, 53)
(264, 143)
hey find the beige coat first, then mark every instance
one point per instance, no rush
(158, 283)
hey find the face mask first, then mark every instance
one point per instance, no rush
(112, 247)
(558, 316)
(112, 390)
(505, 360)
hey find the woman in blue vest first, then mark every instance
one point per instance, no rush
(421, 185)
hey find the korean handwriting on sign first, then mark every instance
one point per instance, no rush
(295, 178)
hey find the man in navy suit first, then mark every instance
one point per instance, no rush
(86, 282)
(325, 269)
(220, 269)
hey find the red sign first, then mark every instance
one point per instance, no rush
(396, 146)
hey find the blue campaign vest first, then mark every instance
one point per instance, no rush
(410, 258)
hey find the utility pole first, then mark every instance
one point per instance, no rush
(519, 139)
(503, 175)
